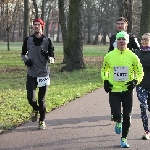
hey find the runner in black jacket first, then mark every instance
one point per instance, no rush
(37, 51)
(122, 24)
(143, 89)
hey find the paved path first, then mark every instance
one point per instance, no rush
(83, 124)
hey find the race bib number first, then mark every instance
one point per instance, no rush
(121, 73)
(43, 81)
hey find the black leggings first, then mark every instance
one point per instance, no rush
(124, 99)
(31, 86)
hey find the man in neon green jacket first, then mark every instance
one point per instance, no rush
(121, 72)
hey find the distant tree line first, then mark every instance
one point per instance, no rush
(78, 21)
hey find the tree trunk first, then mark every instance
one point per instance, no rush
(47, 23)
(13, 33)
(89, 35)
(43, 10)
(7, 31)
(8, 39)
(89, 24)
(74, 51)
(35, 7)
(99, 24)
(125, 10)
(95, 42)
(57, 39)
(62, 22)
(104, 38)
(26, 19)
(145, 17)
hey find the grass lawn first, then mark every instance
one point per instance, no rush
(65, 87)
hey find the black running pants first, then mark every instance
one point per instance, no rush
(122, 102)
(31, 85)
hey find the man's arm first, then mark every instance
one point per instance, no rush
(112, 40)
(134, 43)
(138, 69)
(105, 69)
(50, 48)
(24, 50)
(51, 51)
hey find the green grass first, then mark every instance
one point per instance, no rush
(65, 87)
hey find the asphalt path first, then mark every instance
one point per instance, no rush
(83, 124)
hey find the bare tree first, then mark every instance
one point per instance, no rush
(9, 17)
(63, 24)
(43, 10)
(26, 19)
(89, 20)
(125, 10)
(36, 8)
(47, 19)
(74, 51)
(137, 6)
(99, 18)
(145, 17)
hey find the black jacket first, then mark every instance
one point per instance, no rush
(132, 45)
(144, 57)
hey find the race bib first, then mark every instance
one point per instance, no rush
(121, 73)
(43, 81)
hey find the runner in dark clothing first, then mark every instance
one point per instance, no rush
(122, 25)
(37, 51)
(143, 89)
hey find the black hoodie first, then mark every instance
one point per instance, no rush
(132, 45)
(144, 57)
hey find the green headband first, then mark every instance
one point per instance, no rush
(122, 34)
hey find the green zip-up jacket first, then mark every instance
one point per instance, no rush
(120, 67)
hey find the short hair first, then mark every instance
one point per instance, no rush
(122, 19)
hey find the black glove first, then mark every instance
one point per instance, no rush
(29, 63)
(131, 84)
(107, 86)
(44, 53)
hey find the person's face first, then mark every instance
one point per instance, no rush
(121, 43)
(121, 26)
(37, 27)
(145, 41)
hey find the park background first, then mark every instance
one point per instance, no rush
(80, 31)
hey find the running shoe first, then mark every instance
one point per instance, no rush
(146, 136)
(42, 125)
(124, 143)
(118, 127)
(34, 116)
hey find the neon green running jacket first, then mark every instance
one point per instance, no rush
(120, 67)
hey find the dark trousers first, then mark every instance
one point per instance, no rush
(31, 85)
(123, 100)
(144, 98)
